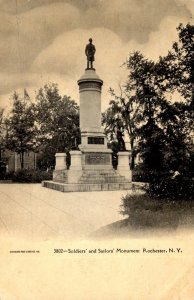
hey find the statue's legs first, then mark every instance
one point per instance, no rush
(89, 64)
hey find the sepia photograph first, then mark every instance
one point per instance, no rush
(96, 149)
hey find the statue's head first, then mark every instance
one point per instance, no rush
(90, 40)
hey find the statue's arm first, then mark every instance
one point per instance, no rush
(86, 50)
(94, 49)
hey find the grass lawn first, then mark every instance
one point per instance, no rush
(150, 215)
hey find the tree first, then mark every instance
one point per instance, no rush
(57, 120)
(162, 130)
(181, 63)
(176, 75)
(21, 127)
(120, 117)
(3, 157)
(137, 110)
(2, 140)
(176, 71)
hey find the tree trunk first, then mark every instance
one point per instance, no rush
(22, 160)
(132, 165)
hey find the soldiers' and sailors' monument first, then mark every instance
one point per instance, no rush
(91, 165)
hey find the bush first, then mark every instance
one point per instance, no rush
(31, 176)
(165, 201)
(2, 170)
(166, 187)
(144, 212)
(135, 203)
(8, 176)
(141, 174)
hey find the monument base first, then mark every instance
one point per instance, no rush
(92, 170)
(88, 180)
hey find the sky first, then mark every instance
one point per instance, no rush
(43, 41)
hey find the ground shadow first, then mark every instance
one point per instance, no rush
(159, 220)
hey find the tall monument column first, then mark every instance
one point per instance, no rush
(93, 145)
(90, 101)
(93, 140)
(90, 109)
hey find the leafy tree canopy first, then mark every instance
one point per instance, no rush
(159, 129)
(57, 120)
(21, 126)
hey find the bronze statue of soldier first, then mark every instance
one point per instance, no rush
(90, 51)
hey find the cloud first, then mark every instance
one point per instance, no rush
(188, 4)
(45, 40)
(11, 6)
(27, 34)
(11, 82)
(159, 41)
(137, 19)
(32, 82)
(66, 56)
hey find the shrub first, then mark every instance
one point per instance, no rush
(141, 174)
(167, 187)
(165, 201)
(134, 203)
(31, 176)
(148, 213)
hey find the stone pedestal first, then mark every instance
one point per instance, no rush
(75, 171)
(76, 160)
(60, 161)
(123, 165)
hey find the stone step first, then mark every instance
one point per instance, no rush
(103, 181)
(78, 187)
(91, 177)
(60, 176)
(112, 172)
(99, 177)
(102, 176)
(104, 173)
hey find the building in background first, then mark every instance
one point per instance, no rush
(13, 163)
